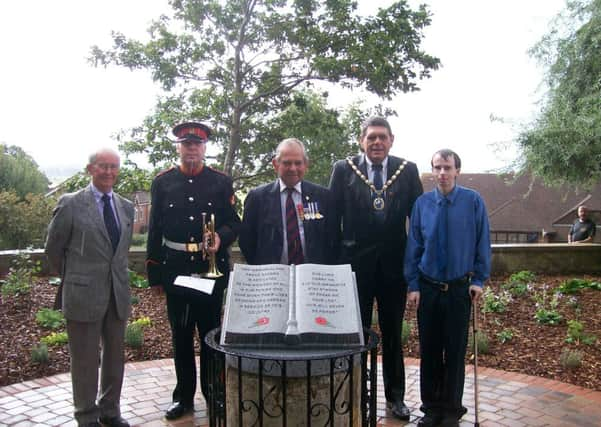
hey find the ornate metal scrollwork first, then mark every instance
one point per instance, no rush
(337, 389)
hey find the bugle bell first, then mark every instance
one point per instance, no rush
(209, 228)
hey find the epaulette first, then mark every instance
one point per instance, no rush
(172, 168)
(217, 170)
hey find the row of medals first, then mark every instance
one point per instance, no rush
(311, 211)
(378, 202)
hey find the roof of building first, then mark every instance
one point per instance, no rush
(141, 197)
(525, 203)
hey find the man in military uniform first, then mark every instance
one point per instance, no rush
(374, 195)
(179, 197)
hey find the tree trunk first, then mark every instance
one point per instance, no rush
(234, 144)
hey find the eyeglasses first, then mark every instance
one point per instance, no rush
(107, 166)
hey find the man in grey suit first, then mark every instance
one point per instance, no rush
(88, 241)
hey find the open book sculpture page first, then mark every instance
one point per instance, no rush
(277, 305)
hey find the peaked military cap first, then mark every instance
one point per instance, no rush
(192, 131)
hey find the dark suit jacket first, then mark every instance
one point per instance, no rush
(261, 239)
(79, 248)
(364, 241)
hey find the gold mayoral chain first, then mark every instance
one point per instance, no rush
(378, 202)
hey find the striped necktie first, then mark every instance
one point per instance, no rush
(295, 248)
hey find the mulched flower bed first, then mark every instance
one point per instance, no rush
(534, 349)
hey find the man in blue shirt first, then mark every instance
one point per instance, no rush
(447, 261)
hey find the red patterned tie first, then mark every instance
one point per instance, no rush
(295, 249)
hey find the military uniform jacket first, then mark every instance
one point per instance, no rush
(177, 204)
(365, 242)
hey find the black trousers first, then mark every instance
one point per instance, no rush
(391, 296)
(443, 321)
(186, 315)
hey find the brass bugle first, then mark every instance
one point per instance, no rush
(209, 228)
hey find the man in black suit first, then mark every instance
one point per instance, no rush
(289, 221)
(374, 195)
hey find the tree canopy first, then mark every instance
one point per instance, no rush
(563, 145)
(19, 173)
(23, 220)
(246, 66)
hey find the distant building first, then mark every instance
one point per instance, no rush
(141, 201)
(523, 210)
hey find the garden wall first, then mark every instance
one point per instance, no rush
(551, 258)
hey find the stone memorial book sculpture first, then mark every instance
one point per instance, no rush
(276, 305)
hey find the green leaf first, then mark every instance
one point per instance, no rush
(250, 68)
(563, 144)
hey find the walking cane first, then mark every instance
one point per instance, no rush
(475, 331)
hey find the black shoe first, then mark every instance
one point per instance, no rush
(430, 420)
(178, 410)
(217, 412)
(450, 422)
(399, 410)
(92, 424)
(117, 421)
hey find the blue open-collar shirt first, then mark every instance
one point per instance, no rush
(469, 250)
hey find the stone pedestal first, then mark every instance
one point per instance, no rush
(317, 392)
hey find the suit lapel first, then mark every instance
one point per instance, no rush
(274, 200)
(364, 189)
(363, 165)
(94, 212)
(308, 196)
(274, 213)
(123, 219)
(393, 165)
(306, 193)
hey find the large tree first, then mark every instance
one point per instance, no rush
(563, 145)
(238, 63)
(19, 173)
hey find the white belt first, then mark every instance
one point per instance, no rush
(184, 247)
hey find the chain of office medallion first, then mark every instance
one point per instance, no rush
(370, 184)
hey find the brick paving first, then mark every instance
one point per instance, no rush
(505, 399)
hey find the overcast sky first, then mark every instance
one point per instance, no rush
(59, 108)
